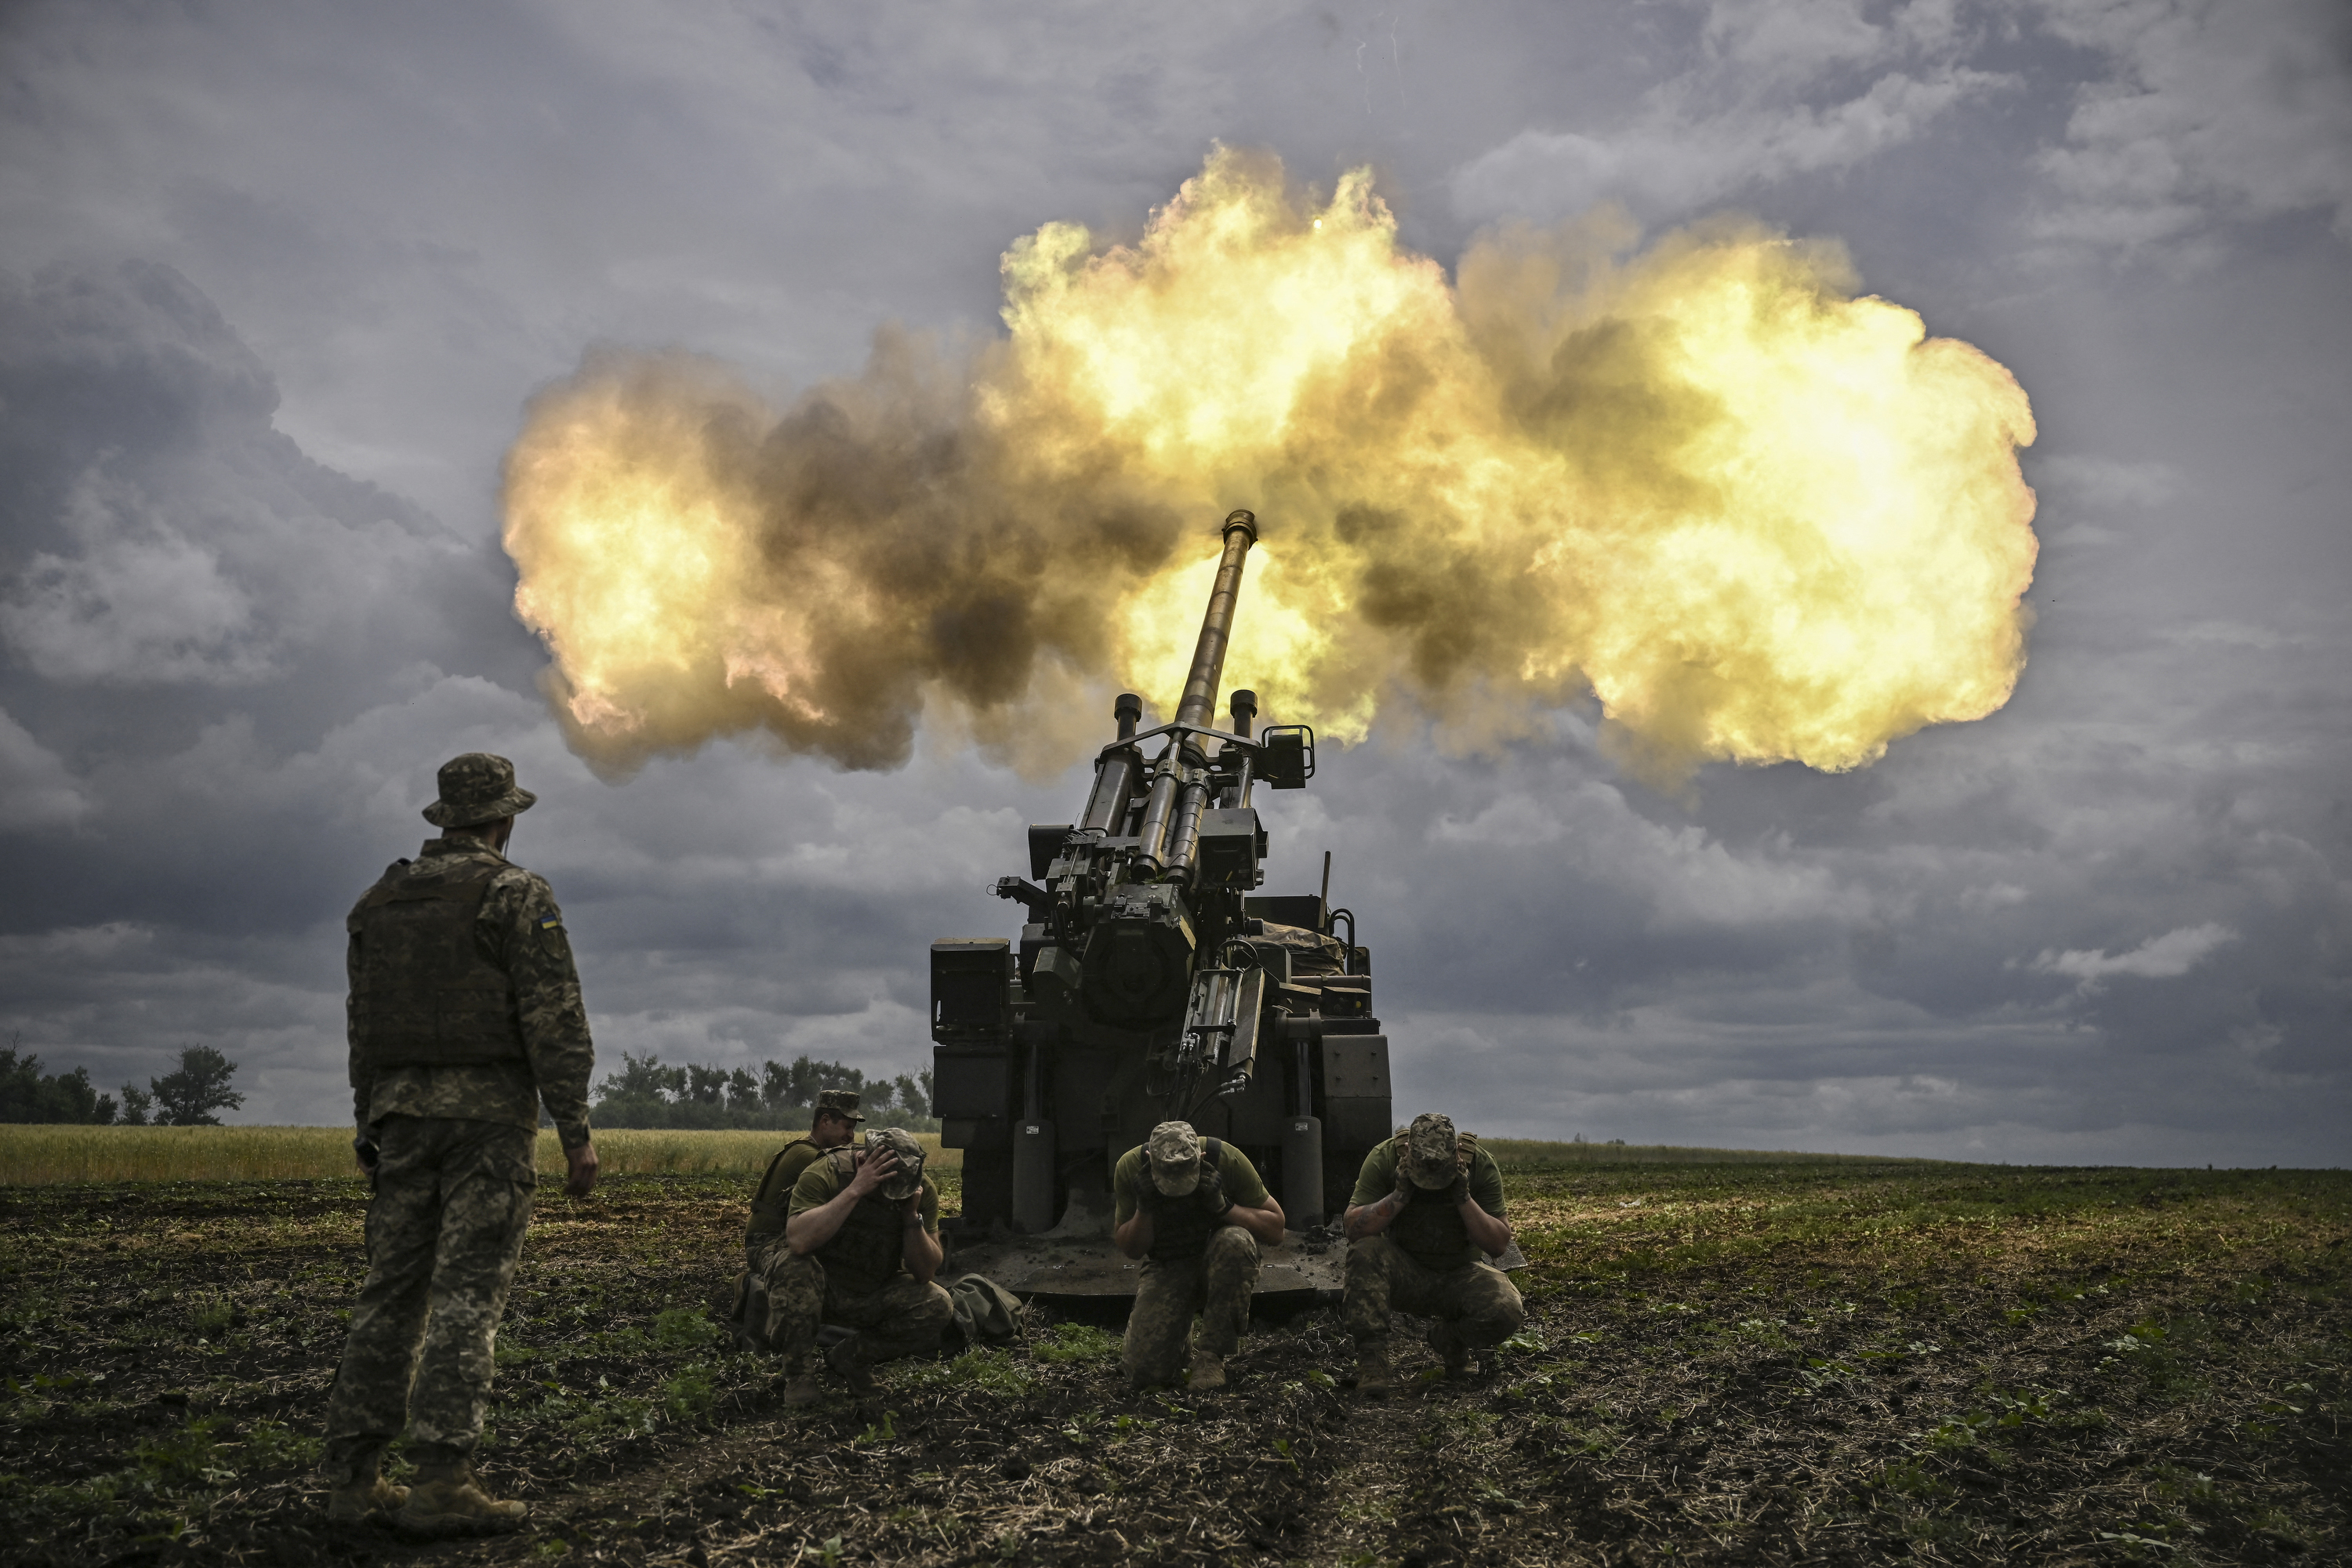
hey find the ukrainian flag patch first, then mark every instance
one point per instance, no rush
(550, 923)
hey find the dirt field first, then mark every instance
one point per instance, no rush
(1729, 1364)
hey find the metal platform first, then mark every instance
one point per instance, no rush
(1077, 1258)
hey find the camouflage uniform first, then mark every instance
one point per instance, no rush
(1195, 1265)
(456, 1130)
(1426, 1263)
(858, 1280)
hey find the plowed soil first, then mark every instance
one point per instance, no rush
(1749, 1364)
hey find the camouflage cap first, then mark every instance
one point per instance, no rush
(1173, 1153)
(476, 788)
(1433, 1154)
(908, 1179)
(841, 1103)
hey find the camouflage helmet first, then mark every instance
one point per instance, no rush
(476, 788)
(840, 1102)
(908, 1179)
(1173, 1155)
(1433, 1154)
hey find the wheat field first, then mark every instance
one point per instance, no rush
(36, 1156)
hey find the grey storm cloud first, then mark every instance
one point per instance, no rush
(275, 286)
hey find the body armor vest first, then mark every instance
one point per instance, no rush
(772, 1205)
(1430, 1231)
(1180, 1226)
(871, 1244)
(424, 995)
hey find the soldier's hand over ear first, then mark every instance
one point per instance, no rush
(877, 1167)
(1405, 1189)
(1210, 1194)
(1456, 1194)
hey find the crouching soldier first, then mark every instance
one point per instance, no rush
(832, 1126)
(863, 1238)
(1196, 1209)
(1428, 1207)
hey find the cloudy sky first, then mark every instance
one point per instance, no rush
(277, 281)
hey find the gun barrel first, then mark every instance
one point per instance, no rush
(1199, 701)
(1164, 841)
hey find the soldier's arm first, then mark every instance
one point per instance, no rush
(1133, 1235)
(923, 1252)
(806, 1229)
(1485, 1224)
(527, 930)
(362, 1081)
(1264, 1218)
(1377, 1202)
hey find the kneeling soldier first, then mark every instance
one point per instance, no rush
(863, 1234)
(1197, 1209)
(1428, 1205)
(832, 1126)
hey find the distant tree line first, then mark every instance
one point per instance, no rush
(188, 1096)
(778, 1096)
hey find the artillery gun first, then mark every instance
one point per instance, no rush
(1151, 983)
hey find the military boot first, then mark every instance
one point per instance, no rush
(448, 1500)
(1372, 1374)
(1208, 1372)
(799, 1387)
(849, 1360)
(352, 1502)
(1447, 1341)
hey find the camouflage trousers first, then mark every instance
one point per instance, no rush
(1477, 1299)
(1216, 1285)
(903, 1318)
(452, 1200)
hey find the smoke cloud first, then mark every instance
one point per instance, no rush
(1759, 517)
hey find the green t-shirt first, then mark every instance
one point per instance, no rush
(1243, 1184)
(1431, 1236)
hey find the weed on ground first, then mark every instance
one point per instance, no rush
(1723, 1362)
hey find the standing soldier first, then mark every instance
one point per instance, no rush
(464, 1018)
(832, 1126)
(1195, 1209)
(1428, 1209)
(862, 1243)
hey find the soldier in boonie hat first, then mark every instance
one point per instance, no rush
(1196, 1210)
(1426, 1216)
(907, 1180)
(861, 1251)
(476, 788)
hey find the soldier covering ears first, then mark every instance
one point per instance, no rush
(1195, 1209)
(1426, 1214)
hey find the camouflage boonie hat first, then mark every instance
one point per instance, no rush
(1173, 1153)
(1433, 1154)
(476, 788)
(840, 1102)
(908, 1179)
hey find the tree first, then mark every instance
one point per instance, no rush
(915, 1097)
(199, 1087)
(136, 1104)
(28, 1094)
